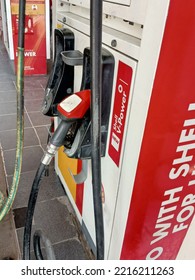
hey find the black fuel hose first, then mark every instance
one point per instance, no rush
(30, 210)
(37, 246)
(96, 88)
(37, 238)
(56, 141)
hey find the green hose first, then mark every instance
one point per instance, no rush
(1, 199)
(6, 204)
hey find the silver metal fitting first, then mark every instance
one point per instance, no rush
(49, 154)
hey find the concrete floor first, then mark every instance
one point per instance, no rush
(53, 213)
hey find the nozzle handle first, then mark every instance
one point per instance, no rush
(59, 135)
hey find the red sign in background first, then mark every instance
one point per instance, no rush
(121, 99)
(35, 62)
(163, 200)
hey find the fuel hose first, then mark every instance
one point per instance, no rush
(6, 203)
(30, 210)
(55, 142)
(96, 87)
(37, 238)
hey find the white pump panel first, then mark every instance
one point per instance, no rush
(146, 36)
(130, 10)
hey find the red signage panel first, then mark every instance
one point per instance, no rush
(121, 99)
(35, 62)
(163, 200)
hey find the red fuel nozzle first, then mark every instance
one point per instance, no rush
(75, 106)
(70, 110)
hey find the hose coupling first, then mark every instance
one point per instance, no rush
(49, 154)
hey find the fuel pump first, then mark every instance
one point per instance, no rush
(148, 149)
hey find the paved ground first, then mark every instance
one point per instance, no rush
(53, 214)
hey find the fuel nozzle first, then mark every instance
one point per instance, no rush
(70, 110)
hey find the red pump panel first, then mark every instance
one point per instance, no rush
(163, 200)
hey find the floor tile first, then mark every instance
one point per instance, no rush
(8, 96)
(8, 122)
(31, 159)
(54, 219)
(70, 250)
(8, 138)
(7, 108)
(7, 75)
(38, 119)
(6, 71)
(42, 132)
(50, 188)
(24, 188)
(43, 81)
(5, 86)
(31, 82)
(33, 105)
(33, 94)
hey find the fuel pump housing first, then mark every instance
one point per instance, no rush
(147, 73)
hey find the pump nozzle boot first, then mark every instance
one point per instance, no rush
(71, 109)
